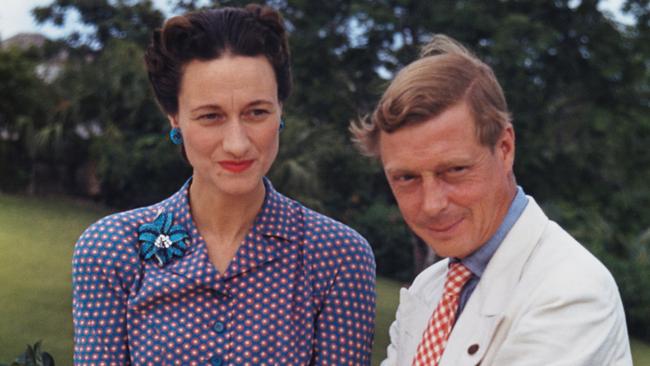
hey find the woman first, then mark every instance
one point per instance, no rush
(227, 271)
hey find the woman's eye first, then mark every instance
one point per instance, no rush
(208, 116)
(257, 114)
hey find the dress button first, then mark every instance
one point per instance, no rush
(472, 349)
(218, 327)
(216, 361)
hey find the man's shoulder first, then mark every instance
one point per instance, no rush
(553, 249)
(562, 262)
(429, 278)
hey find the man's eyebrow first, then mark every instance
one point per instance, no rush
(391, 170)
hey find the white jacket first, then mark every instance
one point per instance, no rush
(542, 300)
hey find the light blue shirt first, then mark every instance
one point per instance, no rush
(477, 261)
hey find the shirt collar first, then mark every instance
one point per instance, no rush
(477, 261)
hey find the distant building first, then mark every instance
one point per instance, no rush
(47, 70)
(24, 41)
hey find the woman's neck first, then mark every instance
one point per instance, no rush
(223, 217)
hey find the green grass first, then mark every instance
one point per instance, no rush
(640, 352)
(36, 241)
(387, 300)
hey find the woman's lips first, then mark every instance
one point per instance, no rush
(236, 166)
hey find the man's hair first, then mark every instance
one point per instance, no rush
(445, 74)
(255, 30)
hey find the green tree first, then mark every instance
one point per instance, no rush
(109, 97)
(108, 104)
(24, 103)
(130, 20)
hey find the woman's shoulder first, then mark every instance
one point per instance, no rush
(122, 227)
(321, 231)
(110, 245)
(107, 250)
(119, 225)
(321, 224)
(114, 238)
(335, 253)
(316, 229)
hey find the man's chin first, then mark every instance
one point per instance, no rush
(449, 247)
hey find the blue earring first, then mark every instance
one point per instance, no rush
(282, 124)
(176, 136)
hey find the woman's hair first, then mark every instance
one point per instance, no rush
(209, 34)
(445, 74)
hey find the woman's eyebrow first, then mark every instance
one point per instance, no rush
(259, 101)
(206, 106)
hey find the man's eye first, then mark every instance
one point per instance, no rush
(403, 178)
(457, 169)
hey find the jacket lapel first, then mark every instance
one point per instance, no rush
(475, 329)
(414, 312)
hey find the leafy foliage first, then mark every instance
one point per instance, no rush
(24, 129)
(33, 356)
(109, 20)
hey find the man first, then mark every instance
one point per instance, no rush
(516, 289)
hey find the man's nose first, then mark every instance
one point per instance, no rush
(434, 196)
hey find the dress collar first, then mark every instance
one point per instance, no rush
(273, 219)
(277, 216)
(276, 228)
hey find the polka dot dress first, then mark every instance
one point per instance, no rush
(299, 291)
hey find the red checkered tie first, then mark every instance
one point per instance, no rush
(435, 336)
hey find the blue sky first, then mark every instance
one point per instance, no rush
(15, 16)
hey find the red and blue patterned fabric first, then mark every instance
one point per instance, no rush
(299, 291)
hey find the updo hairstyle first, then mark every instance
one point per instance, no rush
(209, 34)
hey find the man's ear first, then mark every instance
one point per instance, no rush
(506, 146)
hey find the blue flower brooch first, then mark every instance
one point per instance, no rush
(161, 239)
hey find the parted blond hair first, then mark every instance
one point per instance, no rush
(445, 74)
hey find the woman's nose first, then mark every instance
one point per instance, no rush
(235, 139)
